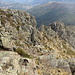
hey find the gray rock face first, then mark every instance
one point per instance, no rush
(14, 26)
(17, 66)
(54, 63)
(66, 33)
(59, 28)
(71, 33)
(71, 63)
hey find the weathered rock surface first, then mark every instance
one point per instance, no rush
(71, 31)
(12, 64)
(48, 50)
(65, 32)
(15, 25)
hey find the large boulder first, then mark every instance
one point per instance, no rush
(54, 65)
(17, 66)
(71, 63)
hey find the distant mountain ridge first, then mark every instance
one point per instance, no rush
(54, 11)
(45, 11)
(18, 6)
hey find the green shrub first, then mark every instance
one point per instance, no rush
(38, 58)
(22, 53)
(17, 28)
(9, 15)
(3, 21)
(70, 52)
(1, 10)
(17, 43)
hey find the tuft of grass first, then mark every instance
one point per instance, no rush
(1, 10)
(22, 53)
(39, 71)
(69, 50)
(17, 28)
(9, 15)
(3, 20)
(38, 58)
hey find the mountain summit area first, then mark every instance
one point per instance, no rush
(27, 50)
(45, 11)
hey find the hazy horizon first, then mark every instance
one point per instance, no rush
(35, 1)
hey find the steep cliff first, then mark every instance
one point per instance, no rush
(43, 51)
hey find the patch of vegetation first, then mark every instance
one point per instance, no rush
(17, 28)
(39, 71)
(69, 50)
(2, 12)
(22, 53)
(2, 20)
(37, 60)
(9, 15)
(17, 43)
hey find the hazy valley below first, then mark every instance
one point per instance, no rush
(54, 11)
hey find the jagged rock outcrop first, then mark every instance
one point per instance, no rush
(15, 25)
(65, 32)
(46, 50)
(71, 31)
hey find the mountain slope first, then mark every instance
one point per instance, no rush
(43, 51)
(54, 11)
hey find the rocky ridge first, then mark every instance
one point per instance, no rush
(47, 50)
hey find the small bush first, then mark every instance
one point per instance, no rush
(38, 58)
(17, 28)
(1, 10)
(22, 53)
(3, 21)
(9, 15)
(17, 43)
(69, 50)
(39, 71)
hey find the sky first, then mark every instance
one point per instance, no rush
(33, 1)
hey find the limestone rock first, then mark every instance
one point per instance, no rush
(65, 32)
(71, 63)
(14, 25)
(17, 66)
(53, 63)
